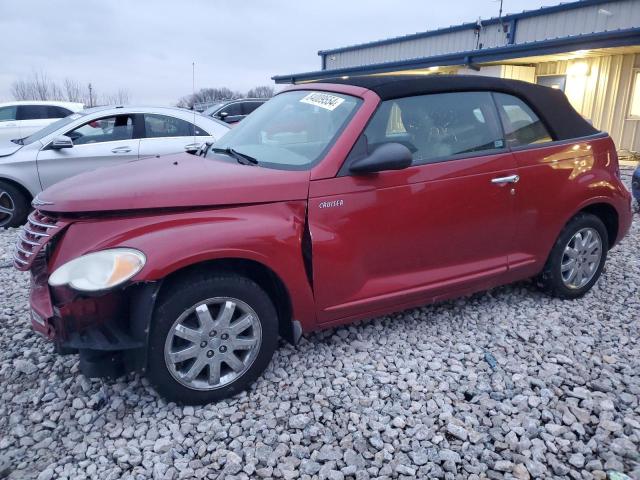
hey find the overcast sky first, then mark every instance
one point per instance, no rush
(147, 46)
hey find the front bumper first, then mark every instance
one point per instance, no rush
(109, 331)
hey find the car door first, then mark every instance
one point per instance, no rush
(165, 134)
(547, 172)
(394, 239)
(100, 142)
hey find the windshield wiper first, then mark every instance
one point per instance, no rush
(242, 158)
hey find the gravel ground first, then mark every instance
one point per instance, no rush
(507, 383)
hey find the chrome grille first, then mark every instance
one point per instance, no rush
(33, 237)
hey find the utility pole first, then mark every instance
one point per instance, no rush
(90, 96)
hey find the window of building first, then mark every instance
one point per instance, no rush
(521, 125)
(634, 106)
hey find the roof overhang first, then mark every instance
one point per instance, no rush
(616, 38)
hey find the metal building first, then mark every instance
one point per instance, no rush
(590, 49)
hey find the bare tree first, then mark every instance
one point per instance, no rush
(263, 91)
(21, 90)
(40, 87)
(208, 95)
(73, 90)
(121, 97)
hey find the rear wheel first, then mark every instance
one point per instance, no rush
(577, 258)
(211, 338)
(14, 206)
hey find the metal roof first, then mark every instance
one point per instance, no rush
(469, 25)
(615, 38)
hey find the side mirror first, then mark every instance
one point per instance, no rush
(61, 142)
(223, 115)
(193, 148)
(388, 156)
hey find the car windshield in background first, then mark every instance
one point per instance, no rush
(49, 129)
(293, 130)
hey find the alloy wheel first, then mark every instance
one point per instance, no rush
(581, 258)
(7, 208)
(213, 343)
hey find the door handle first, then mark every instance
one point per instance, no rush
(503, 180)
(121, 150)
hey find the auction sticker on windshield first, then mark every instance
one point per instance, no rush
(323, 100)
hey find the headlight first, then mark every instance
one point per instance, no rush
(99, 270)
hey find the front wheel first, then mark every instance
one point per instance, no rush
(577, 258)
(14, 206)
(211, 337)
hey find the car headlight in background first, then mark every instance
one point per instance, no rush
(99, 270)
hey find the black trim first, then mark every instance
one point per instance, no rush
(567, 141)
(142, 301)
(139, 131)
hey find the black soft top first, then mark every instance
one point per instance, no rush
(550, 105)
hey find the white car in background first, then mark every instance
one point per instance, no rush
(91, 139)
(21, 119)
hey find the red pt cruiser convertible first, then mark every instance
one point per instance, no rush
(331, 203)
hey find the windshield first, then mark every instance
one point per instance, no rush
(293, 130)
(52, 127)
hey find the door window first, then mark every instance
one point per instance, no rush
(232, 109)
(248, 107)
(107, 129)
(57, 112)
(157, 126)
(435, 127)
(8, 114)
(521, 125)
(32, 112)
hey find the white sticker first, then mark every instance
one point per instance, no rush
(323, 100)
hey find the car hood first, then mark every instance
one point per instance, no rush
(173, 181)
(7, 147)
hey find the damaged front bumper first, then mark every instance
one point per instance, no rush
(109, 331)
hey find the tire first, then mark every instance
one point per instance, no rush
(14, 206)
(555, 278)
(215, 294)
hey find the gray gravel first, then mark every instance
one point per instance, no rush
(503, 384)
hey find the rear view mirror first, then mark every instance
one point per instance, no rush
(388, 156)
(61, 142)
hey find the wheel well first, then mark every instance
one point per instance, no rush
(23, 190)
(609, 217)
(259, 273)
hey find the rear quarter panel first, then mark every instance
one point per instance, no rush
(556, 182)
(270, 234)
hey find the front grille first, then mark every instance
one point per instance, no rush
(39, 229)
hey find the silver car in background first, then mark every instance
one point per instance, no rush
(92, 139)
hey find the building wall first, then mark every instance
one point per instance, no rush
(620, 14)
(602, 93)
